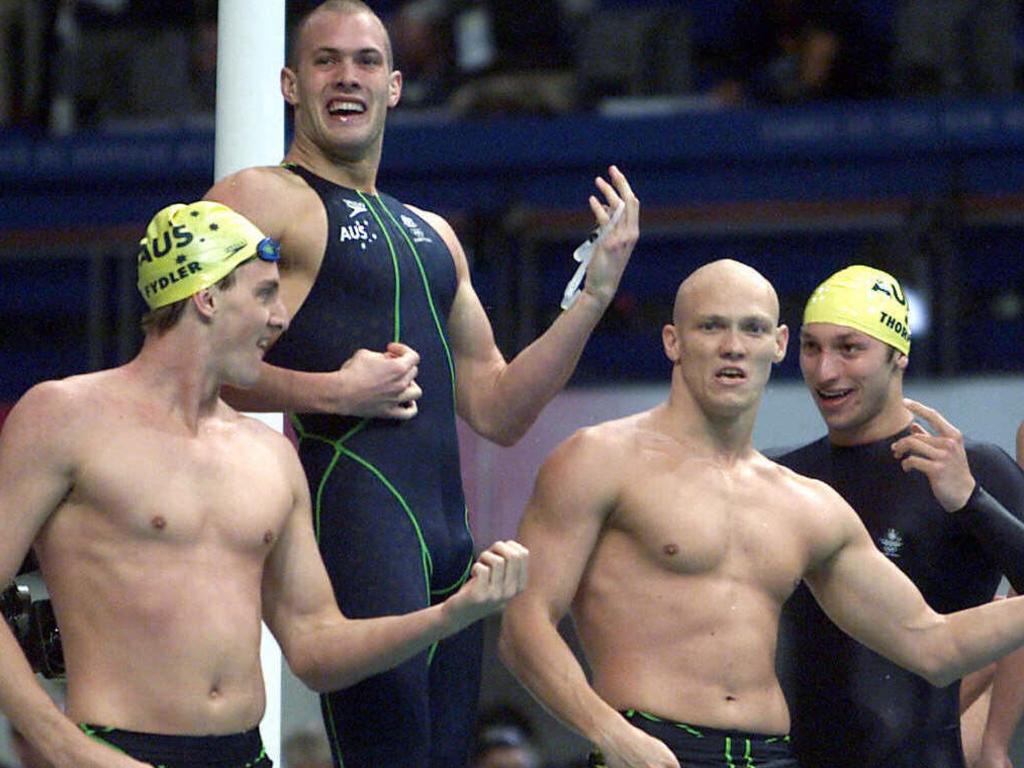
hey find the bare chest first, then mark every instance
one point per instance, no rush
(146, 486)
(709, 523)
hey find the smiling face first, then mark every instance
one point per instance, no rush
(251, 316)
(856, 382)
(342, 84)
(725, 337)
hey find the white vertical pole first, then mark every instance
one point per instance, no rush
(250, 131)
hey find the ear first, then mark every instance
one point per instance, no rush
(394, 88)
(670, 341)
(205, 303)
(289, 86)
(902, 361)
(781, 342)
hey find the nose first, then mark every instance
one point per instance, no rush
(824, 367)
(732, 346)
(345, 74)
(278, 317)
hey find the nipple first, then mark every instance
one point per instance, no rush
(159, 522)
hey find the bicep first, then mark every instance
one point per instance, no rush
(869, 598)
(296, 587)
(561, 526)
(35, 474)
(472, 338)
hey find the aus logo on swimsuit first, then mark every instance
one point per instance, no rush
(358, 232)
(891, 544)
(418, 235)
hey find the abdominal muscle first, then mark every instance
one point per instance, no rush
(166, 652)
(698, 649)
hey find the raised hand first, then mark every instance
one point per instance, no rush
(940, 456)
(612, 251)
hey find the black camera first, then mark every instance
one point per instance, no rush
(34, 625)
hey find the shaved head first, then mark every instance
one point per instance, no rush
(725, 278)
(347, 7)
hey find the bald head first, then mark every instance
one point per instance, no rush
(726, 280)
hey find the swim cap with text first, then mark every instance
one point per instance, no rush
(866, 299)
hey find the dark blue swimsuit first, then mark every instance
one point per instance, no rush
(389, 509)
(850, 707)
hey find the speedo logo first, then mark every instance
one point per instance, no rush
(355, 207)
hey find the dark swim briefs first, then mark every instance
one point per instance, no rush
(237, 750)
(700, 747)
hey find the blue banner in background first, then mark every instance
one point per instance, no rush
(695, 155)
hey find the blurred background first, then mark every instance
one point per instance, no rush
(798, 136)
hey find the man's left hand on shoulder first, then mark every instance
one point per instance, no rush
(939, 454)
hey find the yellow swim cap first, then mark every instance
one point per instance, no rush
(190, 247)
(866, 299)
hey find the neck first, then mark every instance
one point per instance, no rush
(728, 435)
(893, 420)
(360, 174)
(178, 376)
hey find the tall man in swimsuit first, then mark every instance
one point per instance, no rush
(853, 708)
(389, 342)
(167, 525)
(675, 543)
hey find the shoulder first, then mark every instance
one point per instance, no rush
(997, 472)
(62, 400)
(53, 414)
(608, 438)
(593, 457)
(441, 225)
(265, 194)
(253, 181)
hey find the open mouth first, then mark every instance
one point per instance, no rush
(731, 374)
(345, 108)
(833, 395)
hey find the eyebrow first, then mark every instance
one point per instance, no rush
(339, 51)
(843, 337)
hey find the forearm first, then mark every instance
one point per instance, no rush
(1000, 534)
(280, 389)
(340, 652)
(542, 662)
(970, 639)
(30, 709)
(519, 391)
(1007, 704)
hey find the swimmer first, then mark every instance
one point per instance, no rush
(167, 526)
(675, 544)
(389, 344)
(853, 708)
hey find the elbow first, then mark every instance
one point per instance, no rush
(941, 675)
(312, 674)
(507, 435)
(303, 667)
(504, 429)
(939, 669)
(507, 648)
